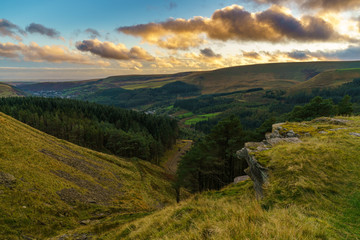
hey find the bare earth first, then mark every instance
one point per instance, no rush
(172, 163)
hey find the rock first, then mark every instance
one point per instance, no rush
(85, 222)
(337, 129)
(323, 132)
(275, 141)
(241, 179)
(257, 173)
(291, 134)
(328, 120)
(355, 134)
(7, 179)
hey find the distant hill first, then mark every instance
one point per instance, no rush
(48, 185)
(9, 91)
(274, 75)
(327, 79)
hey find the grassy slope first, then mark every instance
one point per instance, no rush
(314, 193)
(8, 91)
(58, 184)
(331, 78)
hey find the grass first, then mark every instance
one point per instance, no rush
(185, 115)
(313, 193)
(8, 91)
(59, 184)
(326, 79)
(200, 118)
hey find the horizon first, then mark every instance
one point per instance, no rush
(50, 41)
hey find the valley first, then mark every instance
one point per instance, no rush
(110, 158)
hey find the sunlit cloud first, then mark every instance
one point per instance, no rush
(56, 54)
(327, 5)
(113, 51)
(235, 23)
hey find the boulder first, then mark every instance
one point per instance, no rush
(7, 179)
(355, 134)
(241, 179)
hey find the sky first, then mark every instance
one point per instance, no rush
(78, 40)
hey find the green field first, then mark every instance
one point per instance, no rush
(200, 118)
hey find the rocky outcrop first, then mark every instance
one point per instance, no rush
(257, 172)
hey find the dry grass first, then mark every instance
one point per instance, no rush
(313, 194)
(45, 166)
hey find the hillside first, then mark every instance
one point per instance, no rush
(327, 79)
(312, 193)
(49, 185)
(9, 91)
(274, 75)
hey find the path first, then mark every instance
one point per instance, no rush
(172, 162)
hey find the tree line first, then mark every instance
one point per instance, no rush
(108, 129)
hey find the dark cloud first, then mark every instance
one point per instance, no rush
(38, 28)
(327, 5)
(234, 23)
(172, 5)
(299, 55)
(253, 55)
(112, 51)
(11, 30)
(208, 52)
(93, 33)
(350, 53)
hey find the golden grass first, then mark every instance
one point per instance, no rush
(33, 206)
(314, 193)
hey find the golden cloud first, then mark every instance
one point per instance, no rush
(57, 54)
(112, 51)
(235, 23)
(326, 5)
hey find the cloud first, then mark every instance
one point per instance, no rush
(112, 51)
(38, 28)
(251, 55)
(299, 55)
(56, 54)
(9, 50)
(93, 33)
(235, 23)
(10, 30)
(327, 5)
(208, 52)
(172, 5)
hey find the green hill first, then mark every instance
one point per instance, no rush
(9, 91)
(327, 79)
(49, 185)
(313, 193)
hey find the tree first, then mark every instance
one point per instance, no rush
(212, 163)
(345, 106)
